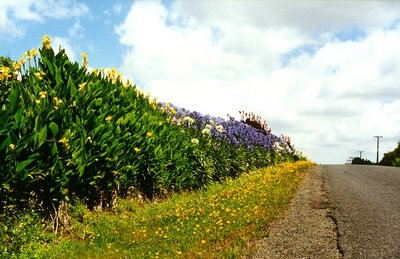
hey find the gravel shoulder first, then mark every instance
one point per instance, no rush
(307, 230)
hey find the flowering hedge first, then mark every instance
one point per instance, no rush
(67, 132)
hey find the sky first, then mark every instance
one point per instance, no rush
(325, 73)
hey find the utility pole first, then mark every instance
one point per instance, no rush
(351, 159)
(360, 153)
(377, 147)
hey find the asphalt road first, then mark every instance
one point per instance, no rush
(366, 208)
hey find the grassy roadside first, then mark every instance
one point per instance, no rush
(216, 222)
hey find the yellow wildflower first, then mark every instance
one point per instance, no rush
(137, 150)
(22, 60)
(17, 66)
(203, 241)
(43, 94)
(5, 73)
(109, 118)
(33, 52)
(12, 147)
(27, 55)
(64, 141)
(46, 42)
(84, 59)
(39, 76)
(37, 102)
(172, 111)
(149, 134)
(139, 93)
(82, 87)
(95, 71)
(127, 83)
(57, 103)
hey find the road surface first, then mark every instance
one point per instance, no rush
(366, 208)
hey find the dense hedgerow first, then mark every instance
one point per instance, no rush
(67, 132)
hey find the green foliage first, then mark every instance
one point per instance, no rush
(360, 161)
(391, 158)
(21, 232)
(66, 132)
(6, 61)
(216, 222)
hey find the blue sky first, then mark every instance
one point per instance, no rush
(91, 31)
(325, 73)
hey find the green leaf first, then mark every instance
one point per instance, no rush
(42, 136)
(54, 128)
(58, 76)
(18, 116)
(21, 166)
(54, 148)
(99, 101)
(48, 63)
(13, 98)
(71, 86)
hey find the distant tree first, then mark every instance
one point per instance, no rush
(392, 158)
(360, 161)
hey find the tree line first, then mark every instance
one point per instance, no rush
(391, 158)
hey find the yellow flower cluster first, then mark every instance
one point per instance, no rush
(46, 42)
(65, 143)
(108, 118)
(43, 94)
(84, 60)
(29, 54)
(40, 75)
(113, 75)
(57, 103)
(5, 74)
(192, 224)
(82, 87)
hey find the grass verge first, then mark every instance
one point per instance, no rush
(218, 221)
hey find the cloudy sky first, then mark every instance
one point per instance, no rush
(326, 73)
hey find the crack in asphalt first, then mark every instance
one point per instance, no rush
(330, 215)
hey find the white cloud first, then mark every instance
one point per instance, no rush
(324, 73)
(64, 43)
(13, 12)
(76, 30)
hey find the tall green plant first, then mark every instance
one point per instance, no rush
(66, 132)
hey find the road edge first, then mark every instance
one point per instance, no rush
(307, 230)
